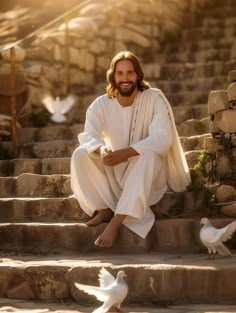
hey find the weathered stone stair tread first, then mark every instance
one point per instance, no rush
(68, 208)
(33, 185)
(20, 306)
(186, 112)
(58, 149)
(206, 55)
(152, 278)
(61, 165)
(41, 210)
(32, 134)
(187, 97)
(192, 70)
(185, 85)
(48, 149)
(194, 142)
(46, 166)
(220, 10)
(167, 235)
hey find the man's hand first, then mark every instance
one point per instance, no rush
(113, 158)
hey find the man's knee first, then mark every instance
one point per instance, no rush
(79, 155)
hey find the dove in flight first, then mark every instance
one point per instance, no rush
(58, 107)
(213, 238)
(112, 291)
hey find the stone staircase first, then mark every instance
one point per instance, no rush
(45, 245)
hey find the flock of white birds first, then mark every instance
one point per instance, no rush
(113, 291)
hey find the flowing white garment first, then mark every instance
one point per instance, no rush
(131, 187)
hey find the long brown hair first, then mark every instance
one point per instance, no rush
(125, 55)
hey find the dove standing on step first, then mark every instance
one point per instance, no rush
(213, 238)
(58, 107)
(112, 291)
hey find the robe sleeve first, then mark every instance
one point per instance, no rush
(92, 137)
(159, 139)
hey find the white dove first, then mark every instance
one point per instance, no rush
(112, 291)
(58, 107)
(213, 238)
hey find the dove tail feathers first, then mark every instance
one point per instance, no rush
(223, 250)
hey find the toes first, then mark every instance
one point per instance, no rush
(102, 243)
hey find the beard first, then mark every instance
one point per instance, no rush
(126, 92)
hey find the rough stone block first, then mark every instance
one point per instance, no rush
(232, 76)
(170, 205)
(31, 185)
(26, 166)
(231, 92)
(225, 121)
(175, 235)
(217, 101)
(226, 164)
(55, 165)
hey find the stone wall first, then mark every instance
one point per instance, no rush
(96, 32)
(220, 148)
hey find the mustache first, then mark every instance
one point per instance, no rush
(126, 82)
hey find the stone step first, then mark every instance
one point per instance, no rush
(41, 209)
(167, 235)
(27, 135)
(19, 306)
(48, 149)
(220, 11)
(158, 279)
(204, 84)
(212, 29)
(203, 56)
(48, 166)
(192, 70)
(33, 185)
(65, 132)
(183, 113)
(194, 142)
(187, 97)
(204, 44)
(56, 132)
(194, 127)
(56, 149)
(36, 306)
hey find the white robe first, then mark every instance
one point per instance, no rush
(131, 187)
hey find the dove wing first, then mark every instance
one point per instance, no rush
(99, 293)
(105, 278)
(67, 103)
(226, 233)
(49, 103)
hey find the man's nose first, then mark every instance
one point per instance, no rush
(126, 77)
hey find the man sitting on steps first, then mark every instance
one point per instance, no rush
(129, 153)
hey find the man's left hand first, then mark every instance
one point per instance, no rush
(119, 156)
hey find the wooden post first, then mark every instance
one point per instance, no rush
(67, 57)
(13, 101)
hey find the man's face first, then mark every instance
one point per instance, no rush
(125, 78)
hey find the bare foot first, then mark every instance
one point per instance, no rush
(102, 216)
(107, 238)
